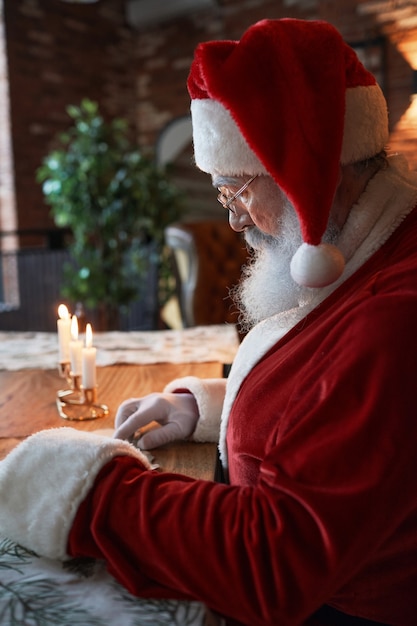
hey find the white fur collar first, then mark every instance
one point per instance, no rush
(388, 198)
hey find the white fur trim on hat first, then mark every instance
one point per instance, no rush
(365, 130)
(219, 146)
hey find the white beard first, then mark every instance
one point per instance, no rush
(266, 287)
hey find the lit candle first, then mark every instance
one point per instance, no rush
(64, 333)
(75, 348)
(89, 360)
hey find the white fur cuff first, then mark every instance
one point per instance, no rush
(209, 394)
(44, 480)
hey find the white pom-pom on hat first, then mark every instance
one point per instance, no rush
(317, 266)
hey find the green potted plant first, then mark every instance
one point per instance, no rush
(115, 202)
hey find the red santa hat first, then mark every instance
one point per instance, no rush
(290, 100)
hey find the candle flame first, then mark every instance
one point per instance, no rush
(63, 312)
(88, 336)
(74, 328)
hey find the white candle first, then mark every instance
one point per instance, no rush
(64, 333)
(89, 360)
(75, 348)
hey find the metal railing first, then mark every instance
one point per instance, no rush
(38, 274)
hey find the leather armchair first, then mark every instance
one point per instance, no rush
(207, 261)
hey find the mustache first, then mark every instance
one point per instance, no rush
(256, 239)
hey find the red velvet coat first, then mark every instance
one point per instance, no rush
(322, 505)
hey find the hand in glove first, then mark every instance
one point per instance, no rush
(44, 480)
(177, 414)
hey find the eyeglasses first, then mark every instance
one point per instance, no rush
(227, 202)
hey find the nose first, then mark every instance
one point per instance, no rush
(240, 220)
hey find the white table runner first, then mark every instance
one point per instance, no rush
(22, 350)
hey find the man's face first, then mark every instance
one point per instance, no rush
(260, 205)
(271, 229)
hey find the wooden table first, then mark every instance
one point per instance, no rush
(28, 404)
(35, 587)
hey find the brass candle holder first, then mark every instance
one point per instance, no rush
(76, 403)
(64, 369)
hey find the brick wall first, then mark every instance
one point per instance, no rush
(164, 65)
(59, 53)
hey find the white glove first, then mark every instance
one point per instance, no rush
(177, 414)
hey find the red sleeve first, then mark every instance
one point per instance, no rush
(264, 555)
(331, 493)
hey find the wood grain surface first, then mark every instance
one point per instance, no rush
(28, 404)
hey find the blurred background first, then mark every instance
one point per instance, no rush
(132, 57)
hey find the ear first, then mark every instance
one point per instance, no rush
(342, 201)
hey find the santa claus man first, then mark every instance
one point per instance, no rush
(316, 521)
